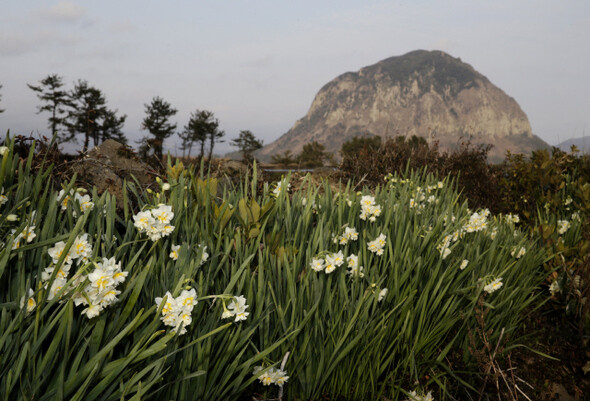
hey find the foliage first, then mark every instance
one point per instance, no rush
(157, 123)
(345, 335)
(360, 146)
(248, 144)
(544, 189)
(285, 159)
(313, 155)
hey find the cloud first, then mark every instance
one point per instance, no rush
(64, 11)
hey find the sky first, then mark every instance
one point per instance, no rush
(258, 64)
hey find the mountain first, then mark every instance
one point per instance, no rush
(425, 93)
(583, 144)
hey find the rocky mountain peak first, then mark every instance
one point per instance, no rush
(425, 93)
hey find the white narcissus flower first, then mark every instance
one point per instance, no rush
(377, 245)
(237, 308)
(3, 150)
(204, 256)
(84, 201)
(369, 210)
(317, 265)
(64, 198)
(382, 294)
(3, 198)
(174, 252)
(279, 187)
(176, 312)
(29, 301)
(271, 376)
(464, 264)
(518, 253)
(563, 226)
(100, 292)
(155, 222)
(81, 249)
(493, 286)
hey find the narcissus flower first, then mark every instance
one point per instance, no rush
(29, 301)
(271, 376)
(377, 245)
(563, 226)
(174, 252)
(155, 222)
(518, 253)
(176, 312)
(237, 309)
(493, 286)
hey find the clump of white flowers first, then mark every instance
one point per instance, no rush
(563, 226)
(350, 234)
(354, 269)
(101, 290)
(27, 234)
(493, 286)
(317, 264)
(333, 260)
(414, 396)
(369, 210)
(84, 201)
(155, 222)
(378, 244)
(477, 222)
(236, 309)
(176, 312)
(512, 218)
(518, 253)
(81, 250)
(271, 376)
(280, 186)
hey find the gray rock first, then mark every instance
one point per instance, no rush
(107, 165)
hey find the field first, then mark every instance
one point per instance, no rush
(195, 290)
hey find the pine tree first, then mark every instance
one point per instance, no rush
(200, 124)
(55, 101)
(87, 108)
(248, 144)
(157, 123)
(111, 127)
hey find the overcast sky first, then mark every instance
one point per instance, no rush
(258, 64)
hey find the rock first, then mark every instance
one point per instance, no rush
(107, 165)
(425, 93)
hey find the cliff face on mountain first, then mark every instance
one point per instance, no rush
(425, 93)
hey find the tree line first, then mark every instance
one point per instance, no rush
(82, 112)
